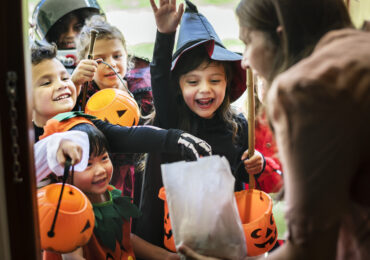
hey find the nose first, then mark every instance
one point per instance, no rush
(61, 85)
(71, 32)
(99, 169)
(245, 61)
(204, 86)
(111, 62)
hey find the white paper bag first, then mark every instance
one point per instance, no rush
(202, 207)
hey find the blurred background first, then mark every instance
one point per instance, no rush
(136, 21)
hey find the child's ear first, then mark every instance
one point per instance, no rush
(279, 30)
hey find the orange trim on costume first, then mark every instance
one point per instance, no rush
(55, 126)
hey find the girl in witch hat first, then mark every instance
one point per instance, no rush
(193, 91)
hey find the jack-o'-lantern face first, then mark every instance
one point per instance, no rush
(114, 106)
(167, 228)
(168, 239)
(255, 209)
(74, 224)
(263, 239)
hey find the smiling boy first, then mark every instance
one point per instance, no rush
(53, 89)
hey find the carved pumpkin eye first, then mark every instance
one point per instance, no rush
(114, 106)
(75, 212)
(255, 234)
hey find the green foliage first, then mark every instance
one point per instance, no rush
(145, 50)
(142, 50)
(278, 212)
(130, 4)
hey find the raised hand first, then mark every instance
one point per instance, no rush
(166, 16)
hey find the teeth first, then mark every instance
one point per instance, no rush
(62, 97)
(205, 102)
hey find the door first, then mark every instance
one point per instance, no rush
(19, 238)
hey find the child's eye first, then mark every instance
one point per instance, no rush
(215, 81)
(117, 56)
(65, 78)
(192, 82)
(77, 27)
(46, 83)
(89, 164)
(105, 157)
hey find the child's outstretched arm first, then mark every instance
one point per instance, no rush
(147, 139)
(84, 71)
(166, 16)
(51, 153)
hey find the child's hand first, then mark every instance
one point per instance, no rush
(172, 256)
(253, 165)
(166, 17)
(190, 254)
(69, 149)
(84, 71)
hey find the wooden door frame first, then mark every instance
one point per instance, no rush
(21, 238)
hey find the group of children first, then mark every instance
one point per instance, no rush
(192, 91)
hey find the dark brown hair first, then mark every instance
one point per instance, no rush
(40, 53)
(303, 22)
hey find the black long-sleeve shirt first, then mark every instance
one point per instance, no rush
(141, 139)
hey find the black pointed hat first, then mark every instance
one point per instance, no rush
(196, 30)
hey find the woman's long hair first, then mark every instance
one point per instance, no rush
(303, 24)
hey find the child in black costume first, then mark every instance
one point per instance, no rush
(194, 94)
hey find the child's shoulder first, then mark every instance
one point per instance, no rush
(241, 120)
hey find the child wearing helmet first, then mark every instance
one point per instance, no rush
(60, 22)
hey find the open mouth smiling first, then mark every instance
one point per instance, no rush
(204, 102)
(99, 182)
(111, 75)
(61, 97)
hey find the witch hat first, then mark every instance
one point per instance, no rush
(196, 30)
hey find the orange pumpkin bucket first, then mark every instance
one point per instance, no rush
(255, 210)
(168, 239)
(114, 106)
(75, 221)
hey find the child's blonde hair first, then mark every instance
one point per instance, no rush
(105, 32)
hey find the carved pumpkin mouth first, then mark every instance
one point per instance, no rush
(270, 241)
